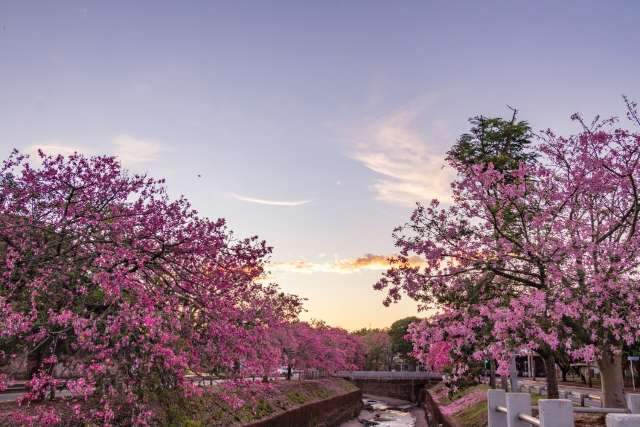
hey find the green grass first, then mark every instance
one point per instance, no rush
(473, 416)
(461, 393)
(212, 410)
(208, 410)
(476, 415)
(535, 398)
(296, 397)
(445, 400)
(261, 409)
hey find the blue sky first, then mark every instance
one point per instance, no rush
(337, 112)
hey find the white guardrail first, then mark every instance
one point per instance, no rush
(514, 410)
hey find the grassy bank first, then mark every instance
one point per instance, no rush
(216, 407)
(468, 407)
(211, 410)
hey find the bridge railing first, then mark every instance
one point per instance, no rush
(389, 375)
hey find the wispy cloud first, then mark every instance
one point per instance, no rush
(53, 148)
(269, 202)
(410, 167)
(368, 262)
(128, 149)
(135, 150)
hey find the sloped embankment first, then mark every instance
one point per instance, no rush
(468, 408)
(325, 402)
(316, 403)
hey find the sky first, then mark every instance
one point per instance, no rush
(315, 125)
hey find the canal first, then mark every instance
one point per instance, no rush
(387, 412)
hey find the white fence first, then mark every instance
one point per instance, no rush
(514, 410)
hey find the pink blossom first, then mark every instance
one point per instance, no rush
(105, 274)
(542, 258)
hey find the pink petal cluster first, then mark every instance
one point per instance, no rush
(38, 418)
(543, 258)
(105, 276)
(307, 346)
(464, 402)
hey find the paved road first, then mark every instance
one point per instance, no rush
(576, 389)
(10, 397)
(13, 396)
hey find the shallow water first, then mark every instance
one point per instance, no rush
(383, 413)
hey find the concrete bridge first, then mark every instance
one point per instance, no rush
(404, 385)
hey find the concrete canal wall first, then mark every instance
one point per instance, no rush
(328, 412)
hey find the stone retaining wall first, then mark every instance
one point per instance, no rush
(322, 413)
(434, 416)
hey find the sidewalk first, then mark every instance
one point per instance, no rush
(573, 385)
(563, 386)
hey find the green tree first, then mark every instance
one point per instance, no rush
(397, 332)
(494, 140)
(505, 143)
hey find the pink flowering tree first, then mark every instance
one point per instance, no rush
(319, 346)
(547, 253)
(377, 347)
(127, 290)
(448, 342)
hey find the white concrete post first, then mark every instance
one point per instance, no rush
(496, 398)
(622, 420)
(555, 413)
(518, 403)
(633, 403)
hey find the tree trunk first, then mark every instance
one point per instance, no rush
(583, 378)
(533, 367)
(492, 374)
(612, 382)
(288, 372)
(552, 380)
(504, 384)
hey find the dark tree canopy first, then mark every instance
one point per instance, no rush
(494, 140)
(397, 332)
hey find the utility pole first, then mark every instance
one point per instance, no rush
(513, 374)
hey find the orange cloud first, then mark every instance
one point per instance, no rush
(368, 262)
